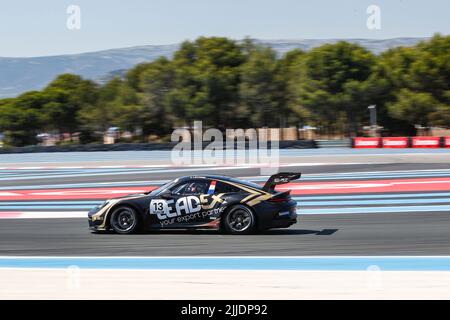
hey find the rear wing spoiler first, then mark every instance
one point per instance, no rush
(280, 178)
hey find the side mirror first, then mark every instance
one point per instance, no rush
(166, 194)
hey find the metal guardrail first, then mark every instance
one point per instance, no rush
(343, 143)
(294, 144)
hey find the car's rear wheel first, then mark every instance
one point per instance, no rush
(124, 220)
(239, 220)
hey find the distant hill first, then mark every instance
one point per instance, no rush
(18, 75)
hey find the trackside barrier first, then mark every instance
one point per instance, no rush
(446, 142)
(395, 142)
(426, 142)
(401, 142)
(366, 143)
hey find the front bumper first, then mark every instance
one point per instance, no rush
(96, 221)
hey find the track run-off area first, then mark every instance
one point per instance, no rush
(350, 202)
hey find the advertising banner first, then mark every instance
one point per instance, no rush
(426, 142)
(446, 142)
(366, 142)
(395, 142)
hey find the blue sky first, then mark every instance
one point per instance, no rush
(37, 28)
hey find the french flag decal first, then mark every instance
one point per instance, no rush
(212, 187)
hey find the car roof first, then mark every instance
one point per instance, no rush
(224, 178)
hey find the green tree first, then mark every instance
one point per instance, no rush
(206, 81)
(155, 83)
(430, 72)
(414, 107)
(100, 115)
(290, 64)
(133, 76)
(21, 118)
(230, 84)
(405, 74)
(329, 82)
(261, 89)
(129, 109)
(67, 95)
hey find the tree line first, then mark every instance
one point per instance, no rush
(230, 84)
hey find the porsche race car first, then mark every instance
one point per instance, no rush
(201, 202)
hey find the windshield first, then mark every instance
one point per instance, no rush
(164, 187)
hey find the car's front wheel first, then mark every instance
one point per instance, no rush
(239, 220)
(124, 220)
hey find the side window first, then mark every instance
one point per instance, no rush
(223, 187)
(191, 187)
(179, 188)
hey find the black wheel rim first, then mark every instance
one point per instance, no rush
(239, 220)
(124, 220)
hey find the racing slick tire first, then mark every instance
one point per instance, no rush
(239, 220)
(125, 220)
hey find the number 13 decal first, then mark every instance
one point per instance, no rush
(158, 206)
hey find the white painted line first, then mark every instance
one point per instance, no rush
(111, 167)
(152, 166)
(47, 215)
(202, 165)
(231, 257)
(311, 164)
(361, 184)
(7, 194)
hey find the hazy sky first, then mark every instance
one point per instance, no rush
(35, 28)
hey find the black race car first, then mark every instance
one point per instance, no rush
(201, 202)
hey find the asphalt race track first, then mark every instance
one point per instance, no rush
(371, 234)
(351, 202)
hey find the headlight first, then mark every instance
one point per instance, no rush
(103, 204)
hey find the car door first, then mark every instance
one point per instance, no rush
(181, 206)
